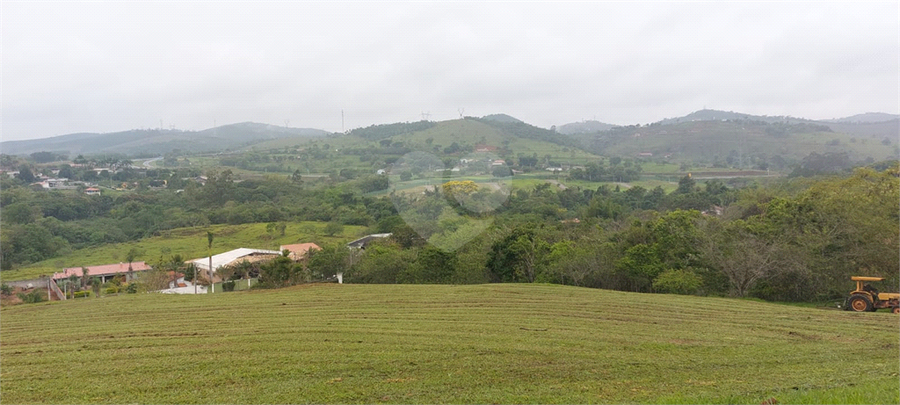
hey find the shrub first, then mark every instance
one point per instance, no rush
(131, 288)
(112, 290)
(6, 289)
(32, 297)
(82, 294)
(684, 282)
(228, 286)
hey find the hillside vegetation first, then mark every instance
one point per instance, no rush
(443, 344)
(741, 144)
(156, 142)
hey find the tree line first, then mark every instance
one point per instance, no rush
(795, 239)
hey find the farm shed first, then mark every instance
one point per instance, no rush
(232, 257)
(365, 240)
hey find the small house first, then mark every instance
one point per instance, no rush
(106, 271)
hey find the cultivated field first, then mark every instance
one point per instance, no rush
(496, 343)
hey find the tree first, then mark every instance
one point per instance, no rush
(501, 171)
(66, 172)
(515, 258)
(329, 261)
(20, 213)
(742, 256)
(683, 281)
(685, 185)
(648, 249)
(84, 277)
(333, 228)
(297, 177)
(132, 253)
(382, 263)
(43, 157)
(25, 174)
(435, 265)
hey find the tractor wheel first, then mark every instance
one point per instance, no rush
(859, 303)
(896, 310)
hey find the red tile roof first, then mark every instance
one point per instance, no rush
(104, 270)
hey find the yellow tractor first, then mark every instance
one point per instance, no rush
(866, 298)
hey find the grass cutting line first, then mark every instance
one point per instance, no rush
(494, 343)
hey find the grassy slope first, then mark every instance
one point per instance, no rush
(190, 243)
(443, 344)
(445, 133)
(474, 132)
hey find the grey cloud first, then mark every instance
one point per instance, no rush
(104, 66)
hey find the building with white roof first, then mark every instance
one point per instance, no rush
(232, 257)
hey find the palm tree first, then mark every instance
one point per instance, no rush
(209, 238)
(84, 277)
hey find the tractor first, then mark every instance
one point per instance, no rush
(866, 298)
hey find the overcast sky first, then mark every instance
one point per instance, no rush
(109, 66)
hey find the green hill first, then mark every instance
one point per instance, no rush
(153, 142)
(583, 127)
(448, 139)
(496, 343)
(508, 139)
(728, 143)
(501, 118)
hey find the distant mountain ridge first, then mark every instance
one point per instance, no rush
(866, 118)
(501, 118)
(156, 142)
(583, 127)
(159, 141)
(719, 115)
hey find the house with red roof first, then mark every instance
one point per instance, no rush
(106, 271)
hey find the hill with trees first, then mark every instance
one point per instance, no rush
(155, 142)
(866, 118)
(744, 144)
(583, 127)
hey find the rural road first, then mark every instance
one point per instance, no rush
(149, 163)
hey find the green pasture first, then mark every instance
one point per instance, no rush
(497, 343)
(190, 243)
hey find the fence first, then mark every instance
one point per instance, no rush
(55, 288)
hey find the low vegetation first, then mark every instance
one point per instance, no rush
(497, 343)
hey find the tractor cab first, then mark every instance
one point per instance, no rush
(866, 298)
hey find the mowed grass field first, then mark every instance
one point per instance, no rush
(497, 343)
